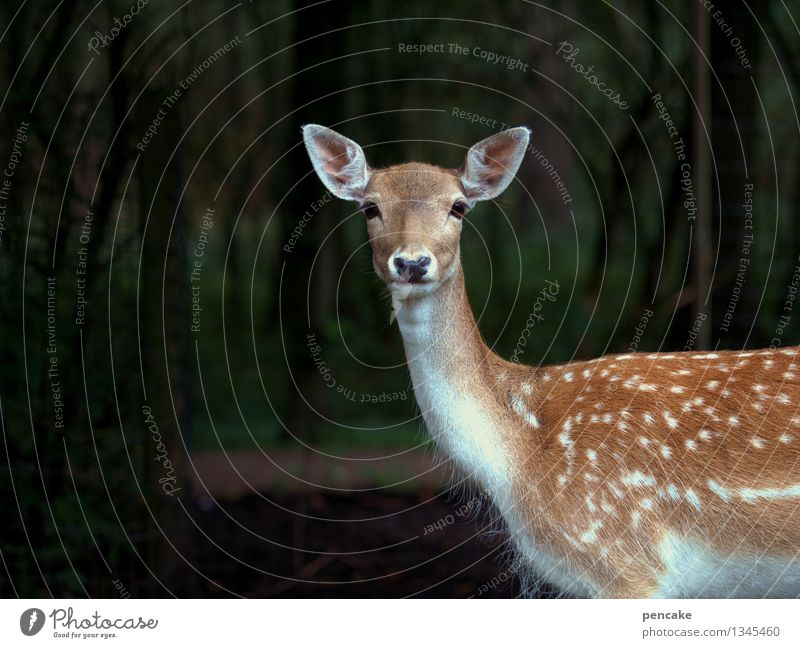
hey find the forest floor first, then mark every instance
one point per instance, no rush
(257, 541)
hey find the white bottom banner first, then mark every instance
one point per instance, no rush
(378, 623)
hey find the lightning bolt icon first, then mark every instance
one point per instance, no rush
(32, 620)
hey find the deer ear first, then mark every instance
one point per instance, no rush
(338, 161)
(492, 163)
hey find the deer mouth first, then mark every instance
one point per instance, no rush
(409, 279)
(402, 290)
(414, 275)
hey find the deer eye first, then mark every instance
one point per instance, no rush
(458, 209)
(370, 210)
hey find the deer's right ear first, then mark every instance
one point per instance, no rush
(338, 161)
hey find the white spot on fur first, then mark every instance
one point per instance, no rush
(723, 492)
(754, 494)
(671, 420)
(591, 534)
(691, 444)
(693, 499)
(637, 479)
(666, 452)
(518, 405)
(617, 492)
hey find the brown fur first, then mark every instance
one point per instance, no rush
(725, 452)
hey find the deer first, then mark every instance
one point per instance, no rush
(631, 475)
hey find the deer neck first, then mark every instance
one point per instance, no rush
(454, 377)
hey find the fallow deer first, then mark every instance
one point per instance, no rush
(632, 475)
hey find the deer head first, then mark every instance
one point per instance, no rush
(414, 211)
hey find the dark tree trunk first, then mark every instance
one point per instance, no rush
(733, 318)
(308, 87)
(167, 288)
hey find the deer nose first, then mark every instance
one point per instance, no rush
(412, 269)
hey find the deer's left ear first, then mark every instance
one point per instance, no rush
(492, 163)
(338, 161)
